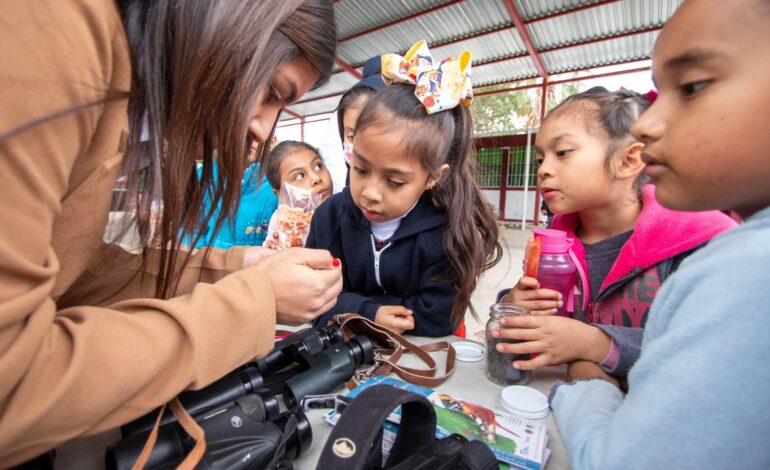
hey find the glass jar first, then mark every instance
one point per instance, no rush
(500, 368)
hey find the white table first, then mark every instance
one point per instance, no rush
(468, 382)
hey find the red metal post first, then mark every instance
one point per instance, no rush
(522, 29)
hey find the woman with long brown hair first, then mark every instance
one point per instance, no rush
(92, 335)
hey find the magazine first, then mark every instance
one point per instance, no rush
(514, 441)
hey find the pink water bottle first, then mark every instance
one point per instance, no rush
(555, 269)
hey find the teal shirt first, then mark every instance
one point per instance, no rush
(250, 225)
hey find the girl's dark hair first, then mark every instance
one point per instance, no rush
(198, 67)
(471, 241)
(276, 156)
(351, 98)
(615, 112)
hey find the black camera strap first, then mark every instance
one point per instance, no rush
(356, 443)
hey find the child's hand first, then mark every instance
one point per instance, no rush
(395, 317)
(527, 293)
(588, 370)
(556, 339)
(273, 244)
(255, 254)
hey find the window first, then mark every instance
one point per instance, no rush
(517, 165)
(490, 166)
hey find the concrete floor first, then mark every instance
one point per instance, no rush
(501, 276)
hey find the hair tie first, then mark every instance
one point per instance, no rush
(438, 86)
(651, 95)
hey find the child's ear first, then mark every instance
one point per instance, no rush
(433, 181)
(628, 162)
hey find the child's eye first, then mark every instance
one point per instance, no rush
(317, 167)
(689, 89)
(562, 153)
(359, 170)
(395, 184)
(538, 162)
(298, 176)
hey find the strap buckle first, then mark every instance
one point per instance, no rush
(337, 403)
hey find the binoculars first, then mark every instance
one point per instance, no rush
(240, 413)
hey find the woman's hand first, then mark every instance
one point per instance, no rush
(555, 339)
(395, 317)
(306, 283)
(527, 293)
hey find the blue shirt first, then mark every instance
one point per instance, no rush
(699, 394)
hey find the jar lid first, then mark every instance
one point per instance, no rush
(469, 351)
(525, 402)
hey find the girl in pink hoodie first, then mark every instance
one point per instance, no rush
(591, 175)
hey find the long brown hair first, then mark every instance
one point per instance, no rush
(198, 67)
(472, 238)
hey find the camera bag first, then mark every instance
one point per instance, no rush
(390, 347)
(355, 443)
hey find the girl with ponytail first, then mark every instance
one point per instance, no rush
(413, 230)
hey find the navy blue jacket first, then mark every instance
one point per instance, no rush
(409, 266)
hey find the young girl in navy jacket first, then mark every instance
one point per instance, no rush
(412, 230)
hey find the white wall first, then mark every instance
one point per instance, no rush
(513, 204)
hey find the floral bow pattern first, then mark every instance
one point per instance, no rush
(438, 86)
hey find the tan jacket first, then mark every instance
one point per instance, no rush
(78, 354)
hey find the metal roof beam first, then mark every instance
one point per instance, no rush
(482, 33)
(570, 10)
(526, 39)
(293, 114)
(400, 20)
(346, 67)
(561, 82)
(604, 38)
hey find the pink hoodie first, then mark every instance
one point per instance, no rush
(659, 234)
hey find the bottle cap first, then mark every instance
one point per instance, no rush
(469, 351)
(553, 241)
(524, 402)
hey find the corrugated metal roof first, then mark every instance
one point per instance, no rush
(455, 21)
(601, 21)
(355, 16)
(568, 35)
(597, 54)
(530, 9)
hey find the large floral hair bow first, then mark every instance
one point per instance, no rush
(438, 86)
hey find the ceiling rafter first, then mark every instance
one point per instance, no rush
(525, 38)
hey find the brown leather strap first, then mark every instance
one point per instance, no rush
(391, 346)
(189, 425)
(194, 430)
(148, 446)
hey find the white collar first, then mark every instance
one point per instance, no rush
(384, 230)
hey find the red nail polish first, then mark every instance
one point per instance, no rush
(336, 262)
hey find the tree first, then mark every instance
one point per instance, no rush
(516, 110)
